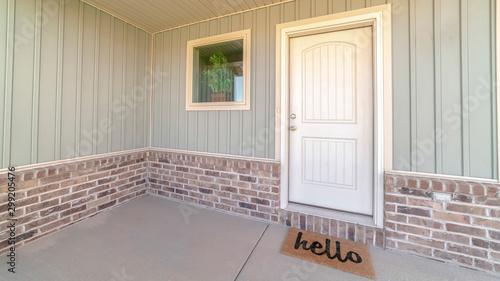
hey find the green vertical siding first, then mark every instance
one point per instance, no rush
(58, 84)
(69, 71)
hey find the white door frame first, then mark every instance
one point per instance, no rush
(379, 17)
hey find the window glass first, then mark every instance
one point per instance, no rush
(218, 72)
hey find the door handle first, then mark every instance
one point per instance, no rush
(293, 128)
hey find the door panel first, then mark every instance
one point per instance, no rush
(331, 99)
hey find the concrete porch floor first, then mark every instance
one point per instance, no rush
(156, 239)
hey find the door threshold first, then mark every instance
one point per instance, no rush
(331, 214)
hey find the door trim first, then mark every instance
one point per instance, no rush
(379, 17)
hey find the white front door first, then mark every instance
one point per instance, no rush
(332, 120)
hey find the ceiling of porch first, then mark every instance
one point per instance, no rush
(157, 15)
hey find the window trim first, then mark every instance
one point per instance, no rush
(245, 104)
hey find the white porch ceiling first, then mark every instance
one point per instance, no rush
(157, 15)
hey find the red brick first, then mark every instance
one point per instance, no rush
(40, 206)
(480, 243)
(463, 187)
(492, 191)
(413, 230)
(452, 217)
(462, 198)
(424, 184)
(42, 189)
(98, 176)
(73, 182)
(449, 186)
(57, 208)
(413, 211)
(228, 202)
(468, 251)
(26, 235)
(483, 264)
(55, 225)
(222, 207)
(412, 183)
(73, 211)
(211, 198)
(390, 225)
(360, 234)
(22, 202)
(426, 242)
(206, 203)
(425, 202)
(247, 205)
(248, 192)
(429, 223)
(222, 194)
(453, 257)
(106, 193)
(478, 189)
(57, 178)
(54, 194)
(415, 192)
(268, 210)
(487, 223)
(74, 196)
(450, 237)
(260, 201)
(260, 215)
(437, 185)
(493, 202)
(396, 218)
(28, 218)
(390, 207)
(239, 197)
(317, 224)
(414, 248)
(390, 234)
(41, 174)
(27, 176)
(25, 184)
(395, 199)
(379, 238)
(466, 209)
(106, 205)
(466, 230)
(107, 167)
(495, 213)
(399, 181)
(83, 186)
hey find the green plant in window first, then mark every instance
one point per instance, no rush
(220, 75)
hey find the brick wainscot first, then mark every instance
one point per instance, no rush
(445, 219)
(50, 198)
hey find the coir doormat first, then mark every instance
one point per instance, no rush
(334, 252)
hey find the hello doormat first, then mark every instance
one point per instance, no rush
(334, 252)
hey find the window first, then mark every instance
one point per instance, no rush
(218, 72)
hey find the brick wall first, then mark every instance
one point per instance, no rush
(244, 187)
(450, 220)
(54, 197)
(351, 231)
